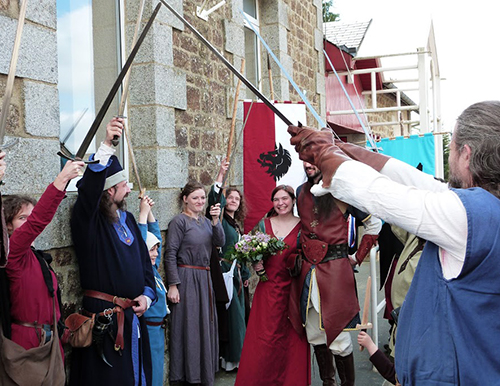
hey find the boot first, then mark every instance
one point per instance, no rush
(345, 367)
(326, 364)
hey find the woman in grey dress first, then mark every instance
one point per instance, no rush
(194, 347)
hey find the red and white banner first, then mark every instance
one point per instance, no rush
(268, 158)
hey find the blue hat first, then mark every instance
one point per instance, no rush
(115, 173)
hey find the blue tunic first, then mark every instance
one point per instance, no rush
(449, 330)
(116, 263)
(158, 311)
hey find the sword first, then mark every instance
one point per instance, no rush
(247, 83)
(62, 144)
(366, 309)
(126, 81)
(107, 102)
(12, 74)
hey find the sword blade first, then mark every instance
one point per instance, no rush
(72, 128)
(247, 83)
(12, 71)
(107, 102)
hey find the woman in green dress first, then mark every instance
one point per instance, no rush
(232, 326)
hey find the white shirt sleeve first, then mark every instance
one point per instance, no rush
(372, 226)
(418, 204)
(104, 153)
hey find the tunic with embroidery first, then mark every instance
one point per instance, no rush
(113, 259)
(194, 341)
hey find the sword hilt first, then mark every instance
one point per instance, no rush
(116, 139)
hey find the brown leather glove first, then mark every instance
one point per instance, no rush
(366, 244)
(358, 153)
(318, 148)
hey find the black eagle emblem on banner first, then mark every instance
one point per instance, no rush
(277, 162)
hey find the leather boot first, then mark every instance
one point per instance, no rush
(345, 367)
(326, 364)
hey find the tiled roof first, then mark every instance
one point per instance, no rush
(347, 34)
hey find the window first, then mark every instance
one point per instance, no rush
(89, 59)
(252, 52)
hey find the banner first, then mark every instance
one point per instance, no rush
(413, 150)
(268, 158)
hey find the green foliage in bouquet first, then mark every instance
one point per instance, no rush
(256, 247)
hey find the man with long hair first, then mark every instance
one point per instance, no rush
(324, 297)
(448, 327)
(115, 274)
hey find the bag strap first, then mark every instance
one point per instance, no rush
(47, 276)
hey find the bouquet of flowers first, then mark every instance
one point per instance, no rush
(256, 247)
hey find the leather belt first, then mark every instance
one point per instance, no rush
(337, 251)
(202, 268)
(194, 267)
(42, 327)
(121, 304)
(318, 252)
(32, 325)
(161, 324)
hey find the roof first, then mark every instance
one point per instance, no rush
(346, 35)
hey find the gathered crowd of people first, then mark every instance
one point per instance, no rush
(306, 294)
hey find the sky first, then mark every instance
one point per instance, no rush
(466, 36)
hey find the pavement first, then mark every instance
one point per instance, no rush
(366, 375)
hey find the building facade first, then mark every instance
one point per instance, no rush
(180, 101)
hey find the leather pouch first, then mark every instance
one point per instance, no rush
(80, 328)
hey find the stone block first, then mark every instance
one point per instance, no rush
(41, 109)
(172, 168)
(157, 45)
(236, 7)
(318, 40)
(318, 4)
(37, 54)
(235, 38)
(42, 12)
(156, 84)
(274, 12)
(164, 15)
(152, 126)
(33, 164)
(320, 83)
(319, 18)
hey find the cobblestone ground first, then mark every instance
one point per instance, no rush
(365, 375)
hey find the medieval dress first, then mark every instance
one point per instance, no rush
(194, 342)
(230, 350)
(156, 314)
(113, 259)
(274, 353)
(30, 298)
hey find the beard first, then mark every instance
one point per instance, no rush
(455, 182)
(315, 178)
(121, 205)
